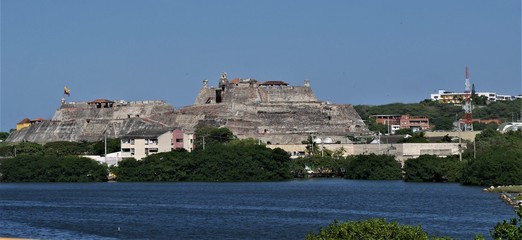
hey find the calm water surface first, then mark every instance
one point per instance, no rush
(273, 210)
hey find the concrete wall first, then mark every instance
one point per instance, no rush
(469, 136)
(402, 152)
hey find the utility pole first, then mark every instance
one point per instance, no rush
(460, 144)
(105, 140)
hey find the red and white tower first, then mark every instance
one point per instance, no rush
(468, 117)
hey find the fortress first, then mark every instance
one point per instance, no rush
(270, 111)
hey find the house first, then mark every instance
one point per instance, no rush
(182, 139)
(144, 142)
(396, 122)
(23, 124)
(444, 96)
(26, 122)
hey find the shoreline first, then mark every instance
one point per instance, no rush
(511, 195)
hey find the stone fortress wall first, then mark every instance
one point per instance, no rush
(271, 111)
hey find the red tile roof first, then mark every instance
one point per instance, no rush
(25, 120)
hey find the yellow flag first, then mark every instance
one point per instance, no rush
(66, 91)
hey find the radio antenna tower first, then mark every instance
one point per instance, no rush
(468, 117)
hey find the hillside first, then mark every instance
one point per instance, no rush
(443, 115)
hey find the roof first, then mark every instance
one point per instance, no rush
(146, 133)
(25, 120)
(101, 100)
(235, 80)
(274, 83)
(38, 120)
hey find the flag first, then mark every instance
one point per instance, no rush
(66, 91)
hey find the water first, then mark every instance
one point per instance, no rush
(272, 210)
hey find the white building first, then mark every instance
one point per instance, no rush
(142, 143)
(510, 126)
(111, 159)
(444, 96)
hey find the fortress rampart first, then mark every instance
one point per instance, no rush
(270, 111)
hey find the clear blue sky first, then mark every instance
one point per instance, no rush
(356, 52)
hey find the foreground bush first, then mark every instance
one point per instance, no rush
(511, 229)
(369, 229)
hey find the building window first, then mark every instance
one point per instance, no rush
(132, 141)
(126, 150)
(179, 140)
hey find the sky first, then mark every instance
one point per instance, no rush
(353, 52)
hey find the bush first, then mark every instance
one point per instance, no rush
(509, 230)
(25, 168)
(369, 229)
(237, 161)
(373, 167)
(498, 162)
(430, 168)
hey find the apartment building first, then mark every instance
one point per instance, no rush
(142, 143)
(182, 139)
(444, 96)
(396, 122)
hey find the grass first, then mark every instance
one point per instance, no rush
(508, 189)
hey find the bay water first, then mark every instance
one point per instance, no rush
(254, 210)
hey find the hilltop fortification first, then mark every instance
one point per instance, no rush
(91, 121)
(271, 111)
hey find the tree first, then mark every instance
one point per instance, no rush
(511, 230)
(240, 160)
(373, 167)
(369, 229)
(430, 168)
(4, 135)
(113, 145)
(498, 161)
(208, 135)
(404, 131)
(27, 168)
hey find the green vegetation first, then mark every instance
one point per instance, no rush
(369, 229)
(373, 167)
(208, 136)
(62, 148)
(507, 189)
(26, 168)
(429, 168)
(381, 229)
(239, 160)
(3, 136)
(511, 229)
(321, 166)
(498, 161)
(441, 115)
